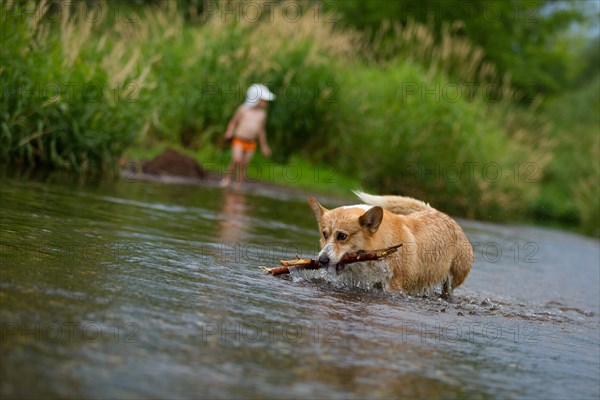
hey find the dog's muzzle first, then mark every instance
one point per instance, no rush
(327, 259)
(324, 259)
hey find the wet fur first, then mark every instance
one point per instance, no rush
(435, 249)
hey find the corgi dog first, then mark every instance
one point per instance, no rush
(435, 250)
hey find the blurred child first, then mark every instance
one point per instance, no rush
(245, 128)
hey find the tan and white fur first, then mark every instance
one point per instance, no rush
(434, 248)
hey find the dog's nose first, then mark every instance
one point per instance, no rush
(324, 259)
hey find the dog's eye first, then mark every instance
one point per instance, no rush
(325, 234)
(341, 236)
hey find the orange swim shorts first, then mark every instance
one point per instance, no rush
(247, 145)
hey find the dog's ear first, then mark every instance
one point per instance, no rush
(371, 219)
(317, 208)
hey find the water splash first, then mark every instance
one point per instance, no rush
(372, 275)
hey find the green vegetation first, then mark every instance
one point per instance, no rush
(64, 93)
(523, 39)
(394, 116)
(570, 188)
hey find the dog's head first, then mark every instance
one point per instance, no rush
(345, 229)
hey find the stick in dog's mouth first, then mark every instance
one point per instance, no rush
(365, 255)
(348, 258)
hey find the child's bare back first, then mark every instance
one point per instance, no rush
(251, 122)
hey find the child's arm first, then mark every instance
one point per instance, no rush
(264, 147)
(233, 123)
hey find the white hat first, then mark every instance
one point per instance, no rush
(256, 93)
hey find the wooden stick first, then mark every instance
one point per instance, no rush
(348, 258)
(285, 269)
(293, 263)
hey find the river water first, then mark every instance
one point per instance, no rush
(136, 289)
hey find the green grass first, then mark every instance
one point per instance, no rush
(296, 173)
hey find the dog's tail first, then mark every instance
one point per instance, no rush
(396, 204)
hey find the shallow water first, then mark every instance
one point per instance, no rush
(138, 289)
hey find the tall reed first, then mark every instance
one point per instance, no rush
(68, 97)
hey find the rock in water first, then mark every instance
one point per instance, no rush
(171, 162)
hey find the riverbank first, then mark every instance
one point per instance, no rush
(298, 177)
(295, 174)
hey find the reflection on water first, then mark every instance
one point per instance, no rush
(136, 290)
(234, 223)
